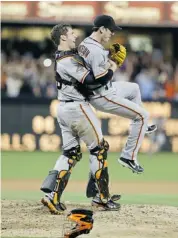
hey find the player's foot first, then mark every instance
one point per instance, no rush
(109, 206)
(56, 209)
(150, 129)
(131, 164)
(115, 197)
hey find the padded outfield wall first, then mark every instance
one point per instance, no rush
(31, 124)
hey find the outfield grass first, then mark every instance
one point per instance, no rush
(28, 165)
(35, 165)
(159, 199)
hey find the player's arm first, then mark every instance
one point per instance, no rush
(103, 72)
(113, 65)
(79, 71)
(103, 80)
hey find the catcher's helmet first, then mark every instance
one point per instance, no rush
(84, 221)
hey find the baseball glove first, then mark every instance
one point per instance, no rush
(117, 53)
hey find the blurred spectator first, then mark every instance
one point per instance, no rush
(3, 82)
(169, 89)
(121, 74)
(158, 138)
(146, 84)
(157, 56)
(176, 82)
(25, 74)
(13, 84)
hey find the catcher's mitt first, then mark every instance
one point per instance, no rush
(117, 53)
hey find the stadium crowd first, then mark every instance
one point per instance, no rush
(25, 75)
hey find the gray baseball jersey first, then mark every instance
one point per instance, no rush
(96, 58)
(71, 71)
(116, 98)
(76, 119)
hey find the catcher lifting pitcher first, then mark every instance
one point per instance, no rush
(76, 83)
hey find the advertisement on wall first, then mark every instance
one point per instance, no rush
(35, 127)
(133, 13)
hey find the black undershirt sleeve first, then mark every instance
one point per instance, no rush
(90, 79)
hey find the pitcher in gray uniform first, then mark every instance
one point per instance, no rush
(77, 122)
(115, 98)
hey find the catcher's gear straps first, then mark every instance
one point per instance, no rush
(56, 181)
(84, 222)
(80, 87)
(101, 177)
(58, 56)
(74, 154)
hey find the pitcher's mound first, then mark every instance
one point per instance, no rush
(31, 219)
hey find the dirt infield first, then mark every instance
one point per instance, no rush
(31, 219)
(80, 186)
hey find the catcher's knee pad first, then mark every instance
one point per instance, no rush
(101, 177)
(84, 222)
(101, 150)
(74, 154)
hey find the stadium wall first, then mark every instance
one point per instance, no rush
(31, 124)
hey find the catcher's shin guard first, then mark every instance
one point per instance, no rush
(56, 181)
(101, 176)
(50, 182)
(102, 179)
(84, 222)
(55, 184)
(92, 189)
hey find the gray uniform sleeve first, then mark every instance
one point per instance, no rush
(98, 64)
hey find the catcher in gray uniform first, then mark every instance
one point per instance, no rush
(77, 121)
(122, 99)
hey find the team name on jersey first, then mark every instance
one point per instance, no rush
(83, 50)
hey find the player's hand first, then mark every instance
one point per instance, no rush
(113, 65)
(118, 53)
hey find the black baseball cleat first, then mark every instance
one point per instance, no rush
(56, 209)
(115, 197)
(131, 164)
(150, 129)
(110, 205)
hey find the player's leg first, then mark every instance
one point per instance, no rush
(131, 91)
(139, 116)
(128, 90)
(57, 179)
(98, 185)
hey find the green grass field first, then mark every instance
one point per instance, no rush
(159, 168)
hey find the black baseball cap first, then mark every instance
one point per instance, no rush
(107, 22)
